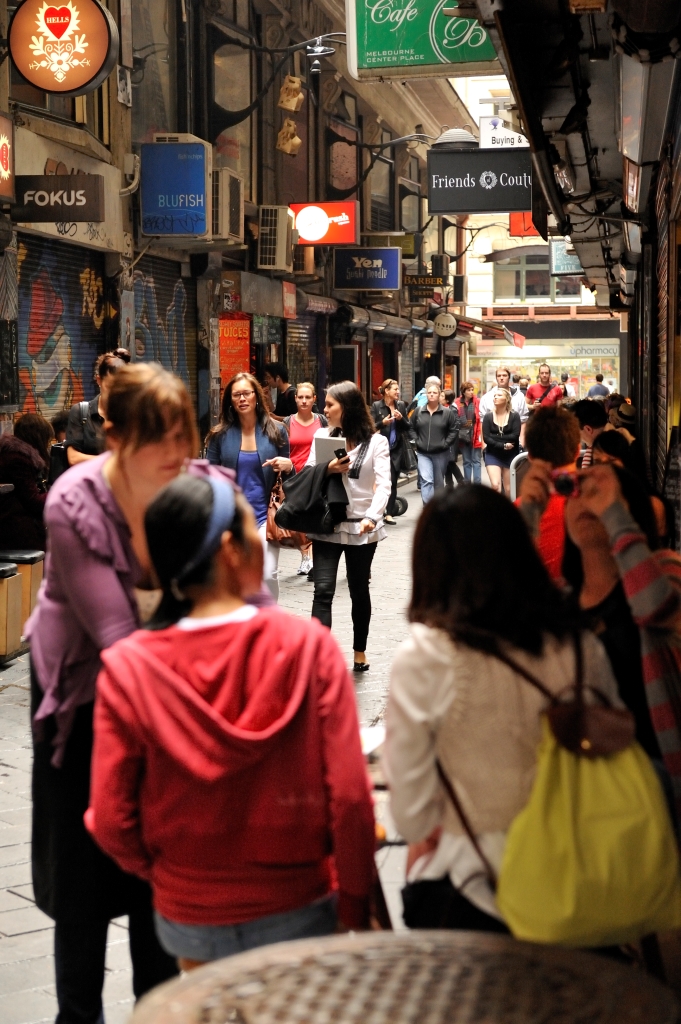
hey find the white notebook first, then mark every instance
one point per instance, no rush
(325, 448)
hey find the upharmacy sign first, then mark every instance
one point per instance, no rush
(414, 39)
(479, 181)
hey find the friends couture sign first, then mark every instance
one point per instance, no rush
(66, 48)
(414, 38)
(479, 181)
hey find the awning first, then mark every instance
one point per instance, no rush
(397, 325)
(517, 250)
(307, 303)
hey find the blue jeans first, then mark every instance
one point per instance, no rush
(212, 942)
(471, 462)
(432, 469)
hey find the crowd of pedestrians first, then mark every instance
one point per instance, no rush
(197, 762)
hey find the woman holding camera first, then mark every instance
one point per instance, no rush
(501, 434)
(366, 476)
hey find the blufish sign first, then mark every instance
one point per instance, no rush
(479, 181)
(67, 48)
(54, 198)
(415, 39)
(367, 270)
(175, 196)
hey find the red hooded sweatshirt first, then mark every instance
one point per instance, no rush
(227, 770)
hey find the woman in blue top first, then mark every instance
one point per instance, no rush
(256, 447)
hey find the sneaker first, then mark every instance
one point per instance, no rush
(389, 521)
(305, 566)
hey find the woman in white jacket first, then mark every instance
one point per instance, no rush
(454, 703)
(366, 475)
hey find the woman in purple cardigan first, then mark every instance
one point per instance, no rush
(97, 555)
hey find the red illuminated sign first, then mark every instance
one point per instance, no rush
(327, 223)
(520, 226)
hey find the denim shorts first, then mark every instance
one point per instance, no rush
(211, 942)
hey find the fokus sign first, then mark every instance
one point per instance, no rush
(479, 181)
(367, 270)
(414, 39)
(67, 48)
(52, 198)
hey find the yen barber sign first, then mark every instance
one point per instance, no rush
(479, 181)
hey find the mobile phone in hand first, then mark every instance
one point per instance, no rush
(340, 453)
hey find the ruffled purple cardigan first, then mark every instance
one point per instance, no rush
(86, 601)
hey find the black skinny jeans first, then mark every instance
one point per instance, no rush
(395, 464)
(358, 559)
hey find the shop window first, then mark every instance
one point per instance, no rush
(154, 76)
(527, 279)
(347, 108)
(413, 170)
(410, 206)
(381, 185)
(232, 91)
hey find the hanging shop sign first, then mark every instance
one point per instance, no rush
(54, 198)
(288, 297)
(175, 189)
(234, 345)
(479, 181)
(561, 262)
(6, 158)
(445, 325)
(521, 225)
(497, 134)
(421, 286)
(367, 269)
(327, 223)
(66, 48)
(518, 340)
(415, 39)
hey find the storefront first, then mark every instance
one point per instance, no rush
(581, 362)
(307, 340)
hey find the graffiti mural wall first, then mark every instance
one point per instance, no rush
(165, 318)
(61, 318)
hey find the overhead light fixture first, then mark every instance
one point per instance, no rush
(319, 49)
(315, 68)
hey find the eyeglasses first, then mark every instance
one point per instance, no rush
(242, 394)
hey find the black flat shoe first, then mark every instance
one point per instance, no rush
(361, 666)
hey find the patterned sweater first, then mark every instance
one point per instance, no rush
(652, 584)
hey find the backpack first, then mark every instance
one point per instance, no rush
(59, 460)
(592, 859)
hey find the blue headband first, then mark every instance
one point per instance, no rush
(221, 518)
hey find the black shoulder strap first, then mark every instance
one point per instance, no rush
(456, 804)
(84, 411)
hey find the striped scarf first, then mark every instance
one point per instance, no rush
(652, 584)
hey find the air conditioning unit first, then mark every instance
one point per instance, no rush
(303, 260)
(275, 238)
(228, 206)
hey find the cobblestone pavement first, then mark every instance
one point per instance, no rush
(27, 992)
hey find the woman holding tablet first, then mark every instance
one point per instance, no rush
(366, 476)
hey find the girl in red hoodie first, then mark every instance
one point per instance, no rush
(227, 768)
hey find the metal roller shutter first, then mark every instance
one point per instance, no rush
(165, 318)
(659, 457)
(62, 309)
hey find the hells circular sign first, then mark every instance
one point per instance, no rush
(67, 48)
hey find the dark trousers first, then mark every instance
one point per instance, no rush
(358, 559)
(452, 468)
(80, 956)
(395, 463)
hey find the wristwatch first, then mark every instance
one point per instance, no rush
(370, 519)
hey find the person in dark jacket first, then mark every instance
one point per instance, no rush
(434, 428)
(24, 457)
(249, 441)
(85, 427)
(501, 433)
(390, 417)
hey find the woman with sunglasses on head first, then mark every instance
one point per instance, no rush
(257, 448)
(390, 418)
(366, 476)
(227, 767)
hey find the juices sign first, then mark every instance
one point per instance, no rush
(416, 34)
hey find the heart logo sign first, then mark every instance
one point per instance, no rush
(5, 165)
(57, 20)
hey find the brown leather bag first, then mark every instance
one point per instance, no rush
(275, 534)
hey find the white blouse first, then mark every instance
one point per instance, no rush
(368, 495)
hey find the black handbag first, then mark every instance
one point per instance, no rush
(296, 515)
(59, 462)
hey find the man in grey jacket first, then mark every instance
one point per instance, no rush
(434, 428)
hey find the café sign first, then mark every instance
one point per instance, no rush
(415, 39)
(479, 181)
(367, 270)
(67, 48)
(327, 223)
